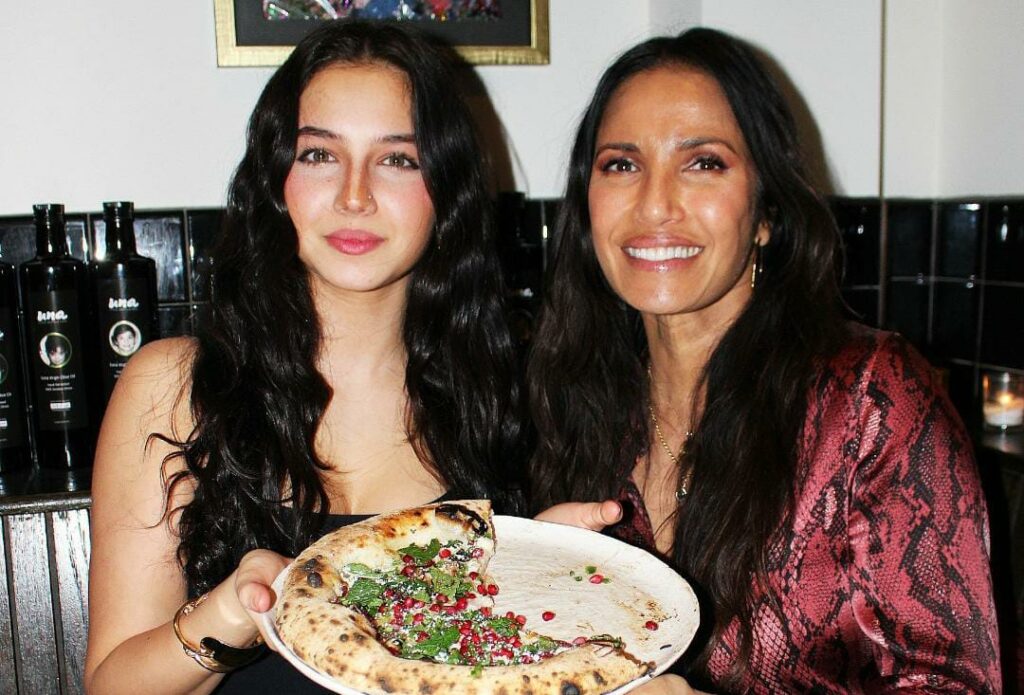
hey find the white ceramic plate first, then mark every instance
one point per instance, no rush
(532, 565)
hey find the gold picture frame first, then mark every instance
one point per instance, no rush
(233, 53)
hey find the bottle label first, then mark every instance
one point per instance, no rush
(125, 320)
(54, 351)
(12, 428)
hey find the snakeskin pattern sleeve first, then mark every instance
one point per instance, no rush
(879, 583)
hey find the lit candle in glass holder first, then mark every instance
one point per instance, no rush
(1003, 405)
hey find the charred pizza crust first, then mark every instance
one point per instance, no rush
(342, 642)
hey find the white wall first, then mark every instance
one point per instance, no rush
(914, 74)
(981, 142)
(135, 107)
(96, 108)
(830, 51)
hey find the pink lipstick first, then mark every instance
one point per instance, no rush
(354, 242)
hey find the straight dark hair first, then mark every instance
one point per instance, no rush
(587, 371)
(257, 397)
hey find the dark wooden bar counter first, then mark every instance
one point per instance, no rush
(44, 595)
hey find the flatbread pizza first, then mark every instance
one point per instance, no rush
(402, 603)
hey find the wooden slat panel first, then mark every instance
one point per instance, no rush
(71, 551)
(35, 643)
(8, 677)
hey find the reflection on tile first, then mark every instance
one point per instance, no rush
(174, 321)
(550, 208)
(158, 235)
(203, 227)
(862, 305)
(907, 311)
(200, 314)
(17, 240)
(1002, 331)
(958, 240)
(910, 238)
(859, 225)
(1004, 256)
(955, 319)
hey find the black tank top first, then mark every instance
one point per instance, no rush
(270, 673)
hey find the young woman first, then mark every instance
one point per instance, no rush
(355, 361)
(807, 475)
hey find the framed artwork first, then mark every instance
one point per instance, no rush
(484, 32)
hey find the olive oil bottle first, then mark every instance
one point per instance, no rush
(54, 289)
(125, 295)
(15, 451)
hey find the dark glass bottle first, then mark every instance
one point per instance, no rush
(54, 288)
(125, 292)
(15, 452)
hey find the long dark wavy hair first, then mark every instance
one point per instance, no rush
(257, 397)
(587, 371)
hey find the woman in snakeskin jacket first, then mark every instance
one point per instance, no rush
(806, 474)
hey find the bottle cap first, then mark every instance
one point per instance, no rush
(48, 215)
(116, 212)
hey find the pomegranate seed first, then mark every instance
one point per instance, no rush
(409, 570)
(579, 640)
(516, 642)
(388, 593)
(477, 552)
(449, 610)
(473, 575)
(445, 553)
(409, 602)
(486, 611)
(596, 579)
(407, 559)
(420, 636)
(417, 618)
(382, 609)
(651, 625)
(510, 615)
(492, 589)
(461, 604)
(476, 638)
(470, 595)
(527, 659)
(465, 630)
(434, 608)
(441, 598)
(547, 615)
(521, 619)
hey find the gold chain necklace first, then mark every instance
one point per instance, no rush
(684, 483)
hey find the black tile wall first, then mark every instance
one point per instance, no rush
(910, 238)
(859, 223)
(1005, 242)
(862, 304)
(958, 242)
(955, 319)
(908, 309)
(1002, 331)
(203, 226)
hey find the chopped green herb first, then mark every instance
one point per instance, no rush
(366, 594)
(421, 554)
(506, 627)
(476, 671)
(435, 644)
(591, 569)
(578, 578)
(361, 570)
(606, 580)
(447, 584)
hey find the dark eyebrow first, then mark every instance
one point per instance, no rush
(331, 135)
(691, 143)
(621, 146)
